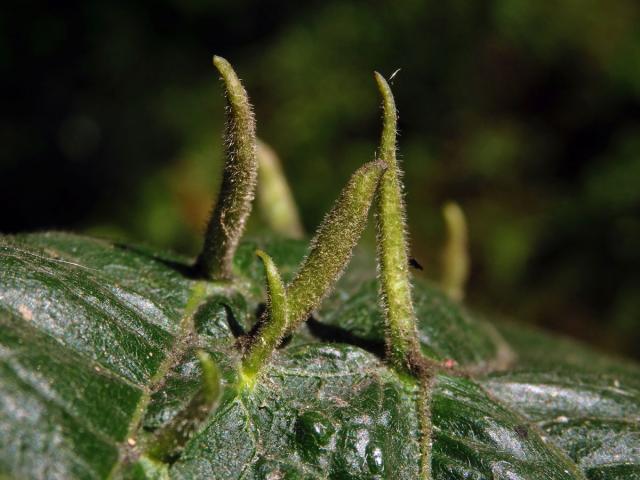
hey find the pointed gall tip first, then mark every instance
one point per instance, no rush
(267, 262)
(386, 93)
(219, 61)
(223, 66)
(380, 80)
(452, 211)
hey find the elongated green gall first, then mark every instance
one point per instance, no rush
(403, 349)
(210, 377)
(237, 189)
(332, 246)
(274, 324)
(275, 199)
(172, 437)
(393, 261)
(455, 256)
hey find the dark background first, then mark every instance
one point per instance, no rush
(527, 112)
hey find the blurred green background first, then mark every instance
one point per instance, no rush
(527, 112)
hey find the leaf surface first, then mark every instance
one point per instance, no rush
(98, 347)
(81, 338)
(446, 330)
(587, 404)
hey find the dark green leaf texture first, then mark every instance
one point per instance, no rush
(323, 409)
(82, 336)
(446, 330)
(98, 342)
(588, 405)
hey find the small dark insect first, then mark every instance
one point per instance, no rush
(522, 431)
(415, 264)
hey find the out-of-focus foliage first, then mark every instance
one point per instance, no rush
(525, 112)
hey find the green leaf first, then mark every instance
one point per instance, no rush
(475, 436)
(446, 330)
(99, 345)
(336, 411)
(82, 337)
(587, 404)
(322, 409)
